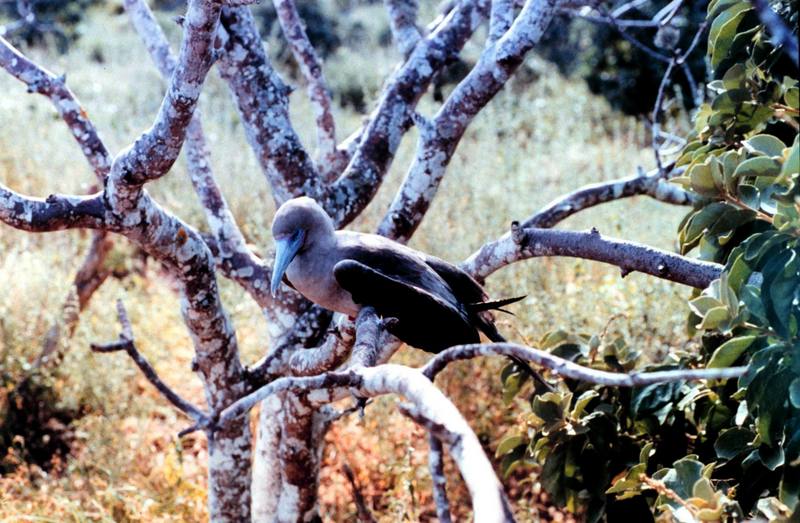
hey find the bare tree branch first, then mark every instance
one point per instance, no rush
(657, 112)
(229, 246)
(568, 369)
(488, 500)
(126, 343)
(364, 514)
(355, 188)
(230, 250)
(266, 462)
(125, 208)
(439, 139)
(88, 279)
(485, 260)
(438, 479)
(41, 81)
(299, 461)
(661, 57)
(500, 19)
(371, 338)
(332, 353)
(330, 160)
(524, 243)
(262, 100)
(679, 60)
(403, 21)
(652, 184)
(154, 152)
(55, 213)
(91, 274)
(625, 23)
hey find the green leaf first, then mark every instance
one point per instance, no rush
(682, 477)
(792, 97)
(714, 318)
(733, 442)
(704, 303)
(731, 219)
(750, 195)
(723, 31)
(771, 457)
(512, 460)
(728, 103)
(794, 393)
(773, 509)
(511, 386)
(734, 78)
(717, 6)
(758, 166)
(553, 339)
(765, 144)
(738, 271)
(548, 409)
(702, 489)
(582, 402)
(702, 180)
(791, 165)
(646, 452)
(727, 353)
(698, 224)
(778, 291)
(509, 444)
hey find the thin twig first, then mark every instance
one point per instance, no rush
(126, 343)
(364, 514)
(657, 112)
(438, 479)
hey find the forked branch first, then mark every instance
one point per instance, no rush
(488, 498)
(41, 81)
(126, 343)
(440, 137)
(330, 160)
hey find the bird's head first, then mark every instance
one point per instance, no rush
(298, 224)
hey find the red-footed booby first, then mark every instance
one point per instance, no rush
(436, 304)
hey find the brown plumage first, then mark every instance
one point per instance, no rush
(437, 305)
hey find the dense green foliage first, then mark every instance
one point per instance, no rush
(711, 451)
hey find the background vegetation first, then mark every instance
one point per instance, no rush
(546, 134)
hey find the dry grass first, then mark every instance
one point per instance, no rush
(533, 143)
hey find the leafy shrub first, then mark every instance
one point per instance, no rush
(56, 19)
(614, 68)
(702, 451)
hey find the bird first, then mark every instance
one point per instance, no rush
(436, 304)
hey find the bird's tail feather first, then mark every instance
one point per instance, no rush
(491, 332)
(539, 381)
(493, 304)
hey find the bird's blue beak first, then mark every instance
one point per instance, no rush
(286, 249)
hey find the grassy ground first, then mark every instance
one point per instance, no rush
(536, 141)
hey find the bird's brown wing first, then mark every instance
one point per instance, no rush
(464, 286)
(470, 293)
(425, 320)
